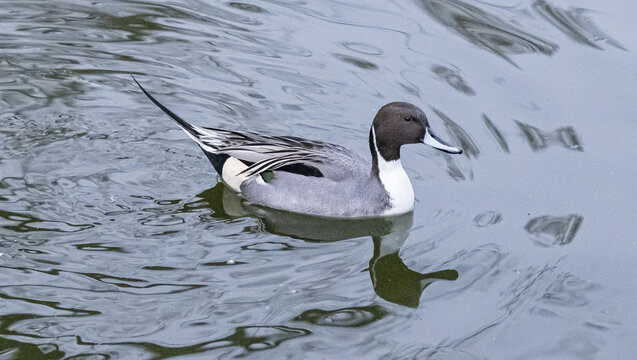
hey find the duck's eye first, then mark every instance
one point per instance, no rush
(407, 118)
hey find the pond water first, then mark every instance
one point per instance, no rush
(119, 242)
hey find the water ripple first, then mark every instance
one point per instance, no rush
(15, 349)
(565, 137)
(485, 29)
(363, 48)
(568, 290)
(487, 218)
(575, 24)
(554, 230)
(25, 223)
(467, 144)
(245, 339)
(346, 317)
(453, 77)
(495, 133)
(359, 63)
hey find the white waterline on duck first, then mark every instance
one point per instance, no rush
(231, 173)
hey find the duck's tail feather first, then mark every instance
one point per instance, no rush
(231, 171)
(192, 130)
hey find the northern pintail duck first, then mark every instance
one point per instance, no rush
(314, 177)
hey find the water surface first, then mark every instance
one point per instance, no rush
(118, 242)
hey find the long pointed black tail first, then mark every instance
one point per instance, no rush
(217, 160)
(181, 122)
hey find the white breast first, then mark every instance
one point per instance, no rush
(397, 184)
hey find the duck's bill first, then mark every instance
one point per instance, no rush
(432, 140)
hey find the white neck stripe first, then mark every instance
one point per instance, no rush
(395, 181)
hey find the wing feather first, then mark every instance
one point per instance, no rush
(266, 152)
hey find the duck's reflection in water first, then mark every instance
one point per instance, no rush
(391, 278)
(394, 281)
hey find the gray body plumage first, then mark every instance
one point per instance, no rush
(346, 188)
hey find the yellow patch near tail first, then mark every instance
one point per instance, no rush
(230, 173)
